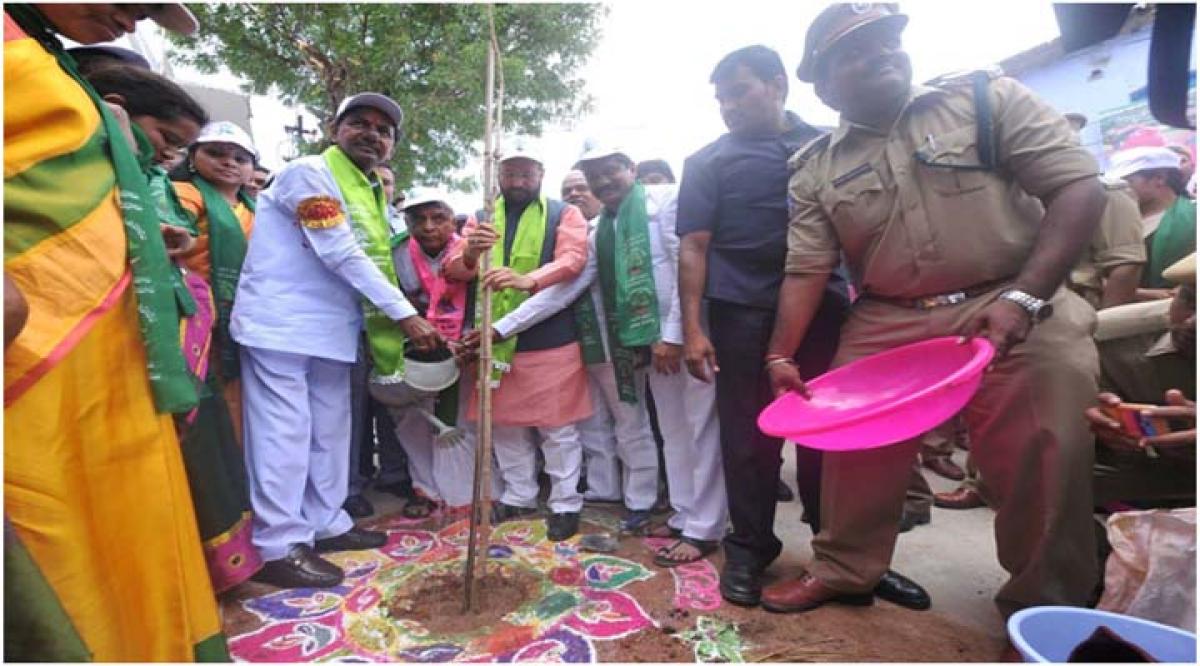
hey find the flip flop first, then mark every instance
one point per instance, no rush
(704, 548)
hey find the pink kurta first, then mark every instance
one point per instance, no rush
(546, 388)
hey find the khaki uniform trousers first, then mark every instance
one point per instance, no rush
(1028, 438)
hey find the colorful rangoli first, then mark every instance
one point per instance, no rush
(581, 601)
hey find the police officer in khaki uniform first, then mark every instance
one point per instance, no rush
(1110, 269)
(929, 196)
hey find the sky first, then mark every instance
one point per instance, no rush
(648, 75)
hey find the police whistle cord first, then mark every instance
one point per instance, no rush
(480, 518)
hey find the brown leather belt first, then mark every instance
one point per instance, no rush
(942, 300)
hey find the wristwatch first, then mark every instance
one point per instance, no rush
(1038, 309)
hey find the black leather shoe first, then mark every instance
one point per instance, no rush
(741, 584)
(401, 489)
(502, 512)
(562, 526)
(358, 506)
(356, 539)
(902, 591)
(909, 520)
(301, 567)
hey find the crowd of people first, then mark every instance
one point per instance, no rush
(207, 364)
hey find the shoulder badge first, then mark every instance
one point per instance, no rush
(1114, 184)
(808, 151)
(963, 78)
(320, 212)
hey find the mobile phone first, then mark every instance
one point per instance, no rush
(1134, 424)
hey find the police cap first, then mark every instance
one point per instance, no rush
(839, 20)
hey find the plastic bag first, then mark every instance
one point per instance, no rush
(1151, 572)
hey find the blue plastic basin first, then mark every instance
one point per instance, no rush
(1047, 634)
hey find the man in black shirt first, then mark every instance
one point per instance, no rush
(732, 220)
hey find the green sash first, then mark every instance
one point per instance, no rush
(525, 257)
(168, 210)
(626, 270)
(158, 304)
(368, 214)
(1174, 239)
(227, 253)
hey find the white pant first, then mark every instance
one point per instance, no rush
(441, 471)
(296, 417)
(514, 480)
(687, 417)
(619, 431)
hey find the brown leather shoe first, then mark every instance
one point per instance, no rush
(806, 593)
(944, 467)
(963, 497)
(301, 567)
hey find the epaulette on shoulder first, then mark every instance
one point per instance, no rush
(963, 78)
(1114, 184)
(808, 151)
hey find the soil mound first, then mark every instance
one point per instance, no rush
(437, 601)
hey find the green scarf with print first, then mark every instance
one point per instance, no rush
(630, 300)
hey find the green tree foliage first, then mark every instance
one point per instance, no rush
(429, 57)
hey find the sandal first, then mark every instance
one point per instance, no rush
(419, 507)
(703, 548)
(664, 531)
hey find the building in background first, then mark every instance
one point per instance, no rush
(1107, 83)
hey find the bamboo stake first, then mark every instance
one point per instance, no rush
(481, 522)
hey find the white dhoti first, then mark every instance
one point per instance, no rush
(296, 418)
(632, 443)
(687, 417)
(441, 471)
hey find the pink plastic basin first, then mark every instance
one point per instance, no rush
(882, 399)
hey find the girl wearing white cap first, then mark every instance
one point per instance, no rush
(216, 167)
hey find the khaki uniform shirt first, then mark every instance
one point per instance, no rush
(910, 230)
(1118, 241)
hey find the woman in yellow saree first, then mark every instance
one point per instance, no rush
(104, 540)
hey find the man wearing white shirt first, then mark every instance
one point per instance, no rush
(314, 276)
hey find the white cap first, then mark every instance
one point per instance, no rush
(520, 152)
(601, 150)
(381, 103)
(223, 131)
(1133, 160)
(174, 17)
(422, 196)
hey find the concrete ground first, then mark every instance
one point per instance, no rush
(953, 557)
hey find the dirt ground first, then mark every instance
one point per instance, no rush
(722, 632)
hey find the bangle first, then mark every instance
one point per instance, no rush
(776, 360)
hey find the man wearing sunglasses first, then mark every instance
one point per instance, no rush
(928, 192)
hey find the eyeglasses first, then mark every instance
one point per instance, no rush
(173, 143)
